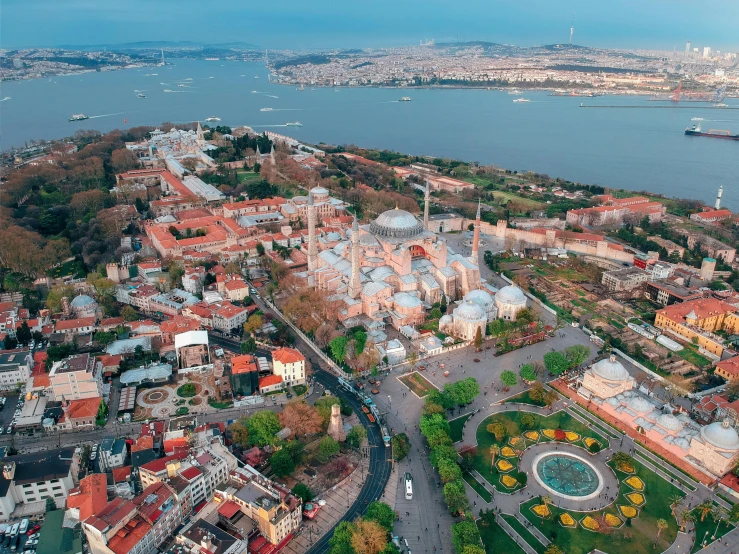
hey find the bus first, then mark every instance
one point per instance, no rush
(408, 486)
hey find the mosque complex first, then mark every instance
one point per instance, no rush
(394, 269)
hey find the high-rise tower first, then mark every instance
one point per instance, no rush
(687, 49)
(355, 285)
(312, 248)
(572, 27)
(426, 199)
(476, 236)
(717, 205)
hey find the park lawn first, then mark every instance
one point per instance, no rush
(707, 528)
(247, 176)
(635, 539)
(456, 427)
(70, 267)
(523, 398)
(524, 533)
(510, 420)
(477, 486)
(417, 383)
(503, 197)
(496, 540)
(690, 355)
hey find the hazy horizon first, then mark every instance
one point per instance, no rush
(621, 24)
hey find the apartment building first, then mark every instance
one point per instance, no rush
(624, 279)
(76, 378)
(15, 367)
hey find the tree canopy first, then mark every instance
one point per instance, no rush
(556, 362)
(263, 427)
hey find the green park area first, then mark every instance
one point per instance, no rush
(710, 524)
(417, 383)
(640, 521)
(502, 438)
(494, 537)
(456, 427)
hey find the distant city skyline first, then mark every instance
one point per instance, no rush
(659, 24)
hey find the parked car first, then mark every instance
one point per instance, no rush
(375, 391)
(9, 430)
(33, 530)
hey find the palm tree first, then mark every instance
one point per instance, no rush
(684, 515)
(674, 500)
(704, 508)
(661, 526)
(494, 451)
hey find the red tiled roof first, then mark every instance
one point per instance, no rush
(229, 509)
(155, 466)
(730, 366)
(84, 408)
(703, 307)
(91, 496)
(269, 380)
(67, 324)
(287, 356)
(120, 474)
(190, 473)
(145, 442)
(171, 444)
(243, 364)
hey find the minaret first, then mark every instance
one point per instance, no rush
(717, 205)
(200, 135)
(355, 285)
(476, 236)
(312, 249)
(426, 198)
(272, 154)
(258, 156)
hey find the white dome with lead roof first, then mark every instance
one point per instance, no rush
(721, 435)
(396, 223)
(611, 369)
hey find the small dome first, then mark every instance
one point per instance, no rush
(669, 422)
(81, 301)
(469, 311)
(405, 300)
(721, 435)
(396, 224)
(319, 191)
(480, 297)
(446, 320)
(610, 369)
(640, 405)
(511, 295)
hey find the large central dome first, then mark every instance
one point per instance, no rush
(396, 224)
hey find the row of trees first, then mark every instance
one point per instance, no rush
(369, 534)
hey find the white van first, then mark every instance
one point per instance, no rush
(24, 526)
(408, 486)
(14, 529)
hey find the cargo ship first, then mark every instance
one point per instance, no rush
(696, 131)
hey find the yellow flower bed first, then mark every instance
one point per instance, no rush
(590, 523)
(513, 441)
(613, 521)
(567, 520)
(635, 483)
(531, 435)
(572, 436)
(590, 441)
(548, 433)
(541, 510)
(508, 452)
(504, 465)
(508, 481)
(636, 498)
(628, 511)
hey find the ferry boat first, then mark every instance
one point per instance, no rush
(522, 100)
(212, 118)
(406, 99)
(78, 117)
(294, 124)
(696, 131)
(266, 109)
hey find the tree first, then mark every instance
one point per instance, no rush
(508, 379)
(494, 451)
(456, 496)
(129, 313)
(368, 537)
(50, 504)
(661, 526)
(341, 541)
(338, 348)
(704, 508)
(498, 429)
(253, 324)
(443, 452)
(550, 397)
(537, 392)
(23, 334)
(620, 459)
(553, 549)
(432, 423)
(323, 405)
(382, 514)
(528, 420)
(239, 433)
(734, 513)
(463, 534)
(263, 427)
(576, 354)
(732, 390)
(478, 339)
(449, 471)
(473, 549)
(556, 362)
(301, 418)
(527, 373)
(282, 463)
(401, 446)
(355, 437)
(104, 338)
(327, 447)
(462, 392)
(303, 491)
(435, 313)
(249, 346)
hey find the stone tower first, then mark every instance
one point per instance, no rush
(426, 198)
(476, 236)
(355, 285)
(258, 156)
(336, 425)
(200, 135)
(272, 154)
(312, 248)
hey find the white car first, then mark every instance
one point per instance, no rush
(94, 447)
(10, 430)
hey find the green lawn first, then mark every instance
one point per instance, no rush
(245, 176)
(511, 421)
(705, 529)
(219, 405)
(638, 538)
(524, 533)
(299, 390)
(690, 355)
(496, 540)
(478, 488)
(523, 398)
(456, 427)
(417, 383)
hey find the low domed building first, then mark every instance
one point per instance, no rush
(509, 301)
(716, 448)
(485, 300)
(464, 322)
(83, 306)
(605, 379)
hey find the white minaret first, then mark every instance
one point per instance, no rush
(426, 198)
(355, 285)
(476, 236)
(312, 248)
(258, 156)
(572, 28)
(717, 205)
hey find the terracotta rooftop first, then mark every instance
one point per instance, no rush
(730, 366)
(703, 308)
(269, 380)
(287, 356)
(84, 408)
(91, 496)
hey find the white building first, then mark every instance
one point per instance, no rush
(289, 364)
(509, 301)
(465, 321)
(393, 350)
(76, 378)
(15, 368)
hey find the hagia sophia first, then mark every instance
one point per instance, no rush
(393, 269)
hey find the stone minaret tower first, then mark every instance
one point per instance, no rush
(312, 248)
(426, 198)
(272, 154)
(258, 156)
(476, 236)
(336, 425)
(355, 285)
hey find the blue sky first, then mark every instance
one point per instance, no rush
(371, 23)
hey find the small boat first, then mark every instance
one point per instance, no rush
(212, 118)
(78, 117)
(266, 109)
(406, 99)
(140, 95)
(514, 91)
(167, 90)
(720, 105)
(180, 85)
(255, 92)
(522, 100)
(294, 124)
(256, 76)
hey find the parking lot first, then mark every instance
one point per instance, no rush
(7, 412)
(25, 542)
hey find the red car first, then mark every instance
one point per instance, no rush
(33, 530)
